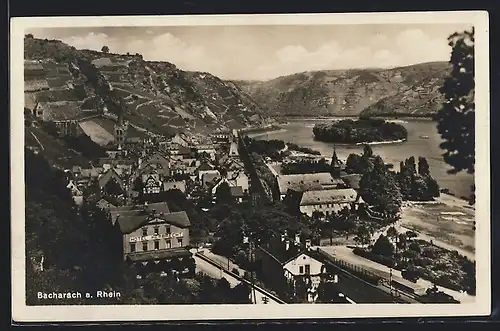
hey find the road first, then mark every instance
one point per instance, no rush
(218, 273)
(214, 272)
(345, 254)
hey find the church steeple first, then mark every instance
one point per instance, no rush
(336, 165)
(120, 130)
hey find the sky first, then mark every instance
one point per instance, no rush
(266, 52)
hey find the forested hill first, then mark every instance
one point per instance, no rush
(411, 90)
(156, 96)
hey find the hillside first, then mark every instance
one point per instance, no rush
(157, 97)
(405, 90)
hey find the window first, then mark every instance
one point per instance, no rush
(144, 231)
(145, 246)
(179, 241)
(167, 229)
(157, 230)
(157, 245)
(308, 269)
(132, 247)
(168, 244)
(301, 270)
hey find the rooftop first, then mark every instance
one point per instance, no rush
(303, 182)
(131, 218)
(352, 180)
(328, 196)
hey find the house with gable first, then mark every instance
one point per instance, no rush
(154, 239)
(327, 202)
(111, 183)
(290, 267)
(152, 183)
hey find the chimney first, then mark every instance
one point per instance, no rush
(287, 244)
(308, 244)
(297, 238)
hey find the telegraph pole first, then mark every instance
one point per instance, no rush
(252, 277)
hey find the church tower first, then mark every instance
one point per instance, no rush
(120, 131)
(335, 165)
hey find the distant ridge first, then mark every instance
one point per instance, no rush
(408, 90)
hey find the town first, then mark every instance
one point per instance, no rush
(251, 212)
(151, 185)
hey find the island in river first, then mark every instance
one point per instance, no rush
(362, 130)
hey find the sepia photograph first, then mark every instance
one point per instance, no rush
(201, 167)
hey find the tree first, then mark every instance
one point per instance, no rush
(423, 167)
(367, 151)
(405, 181)
(456, 118)
(223, 194)
(402, 242)
(105, 49)
(353, 164)
(362, 235)
(380, 189)
(392, 232)
(28, 36)
(383, 247)
(419, 188)
(432, 187)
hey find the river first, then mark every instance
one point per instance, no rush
(300, 132)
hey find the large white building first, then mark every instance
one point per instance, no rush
(327, 201)
(305, 182)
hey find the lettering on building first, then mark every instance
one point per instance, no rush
(156, 237)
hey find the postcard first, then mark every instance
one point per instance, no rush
(222, 167)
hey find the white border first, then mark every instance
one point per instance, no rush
(23, 313)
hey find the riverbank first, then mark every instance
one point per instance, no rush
(254, 134)
(382, 142)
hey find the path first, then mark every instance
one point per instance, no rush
(345, 254)
(38, 141)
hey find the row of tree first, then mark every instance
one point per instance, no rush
(416, 183)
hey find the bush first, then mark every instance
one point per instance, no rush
(387, 261)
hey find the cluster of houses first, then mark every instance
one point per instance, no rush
(130, 184)
(324, 192)
(288, 263)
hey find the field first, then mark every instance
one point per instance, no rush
(96, 132)
(451, 223)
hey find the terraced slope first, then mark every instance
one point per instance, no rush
(67, 83)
